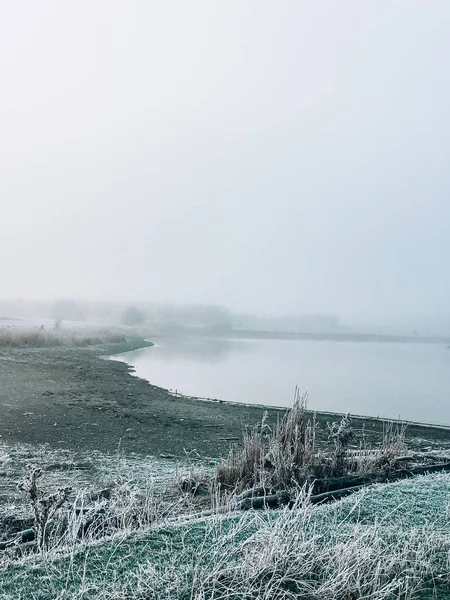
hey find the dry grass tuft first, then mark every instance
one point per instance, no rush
(286, 457)
(245, 466)
(292, 445)
(13, 337)
(272, 459)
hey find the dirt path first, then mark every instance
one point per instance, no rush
(72, 398)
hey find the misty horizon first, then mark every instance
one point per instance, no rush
(275, 159)
(70, 311)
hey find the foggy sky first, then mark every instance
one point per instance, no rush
(275, 157)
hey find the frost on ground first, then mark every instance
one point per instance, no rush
(387, 541)
(88, 474)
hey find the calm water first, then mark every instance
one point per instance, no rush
(379, 379)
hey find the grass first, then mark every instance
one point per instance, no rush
(150, 541)
(272, 458)
(391, 541)
(287, 456)
(133, 478)
(14, 337)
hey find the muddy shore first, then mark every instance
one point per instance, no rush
(73, 398)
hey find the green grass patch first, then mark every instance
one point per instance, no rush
(388, 541)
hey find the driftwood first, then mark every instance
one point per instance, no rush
(255, 492)
(334, 495)
(330, 484)
(272, 501)
(21, 537)
(416, 455)
(335, 490)
(404, 473)
(284, 499)
(104, 494)
(336, 483)
(93, 520)
(332, 488)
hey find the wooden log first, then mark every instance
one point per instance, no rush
(329, 484)
(272, 501)
(395, 476)
(332, 488)
(22, 537)
(27, 536)
(404, 473)
(104, 494)
(255, 492)
(416, 455)
(336, 483)
(334, 495)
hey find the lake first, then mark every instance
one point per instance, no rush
(407, 380)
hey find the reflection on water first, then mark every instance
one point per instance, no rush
(380, 379)
(190, 349)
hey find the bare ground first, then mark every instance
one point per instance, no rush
(88, 423)
(72, 398)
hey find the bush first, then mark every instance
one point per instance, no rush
(273, 459)
(287, 457)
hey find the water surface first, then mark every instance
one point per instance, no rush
(407, 380)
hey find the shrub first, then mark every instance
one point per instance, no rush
(287, 457)
(44, 506)
(272, 459)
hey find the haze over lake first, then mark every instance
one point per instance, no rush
(407, 380)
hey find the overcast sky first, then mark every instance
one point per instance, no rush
(272, 156)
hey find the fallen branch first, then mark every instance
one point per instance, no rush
(21, 537)
(332, 488)
(255, 492)
(334, 495)
(416, 455)
(336, 483)
(272, 501)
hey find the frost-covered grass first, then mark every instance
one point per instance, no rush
(15, 337)
(128, 475)
(286, 454)
(385, 542)
(146, 540)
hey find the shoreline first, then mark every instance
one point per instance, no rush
(74, 398)
(376, 338)
(325, 413)
(329, 413)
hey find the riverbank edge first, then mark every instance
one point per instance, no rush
(147, 343)
(81, 399)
